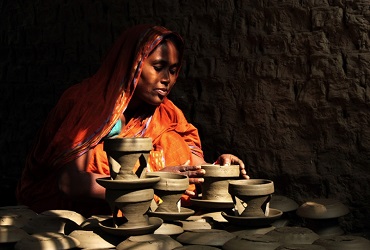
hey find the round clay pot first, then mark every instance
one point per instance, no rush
(322, 209)
(343, 242)
(256, 193)
(208, 237)
(47, 241)
(46, 223)
(283, 203)
(216, 181)
(132, 203)
(254, 241)
(169, 188)
(294, 235)
(124, 153)
(15, 215)
(148, 241)
(11, 234)
(90, 240)
(72, 215)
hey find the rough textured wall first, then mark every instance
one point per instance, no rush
(283, 84)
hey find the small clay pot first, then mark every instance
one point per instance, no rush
(294, 235)
(124, 153)
(254, 241)
(256, 193)
(47, 241)
(46, 223)
(208, 237)
(149, 241)
(68, 214)
(216, 181)
(90, 240)
(169, 188)
(343, 242)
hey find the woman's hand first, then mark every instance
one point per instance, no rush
(228, 159)
(195, 174)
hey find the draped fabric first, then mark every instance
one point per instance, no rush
(87, 112)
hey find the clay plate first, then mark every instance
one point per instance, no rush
(107, 182)
(274, 214)
(108, 226)
(322, 209)
(169, 216)
(212, 203)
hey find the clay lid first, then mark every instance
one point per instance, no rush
(216, 170)
(47, 223)
(47, 241)
(170, 181)
(10, 234)
(208, 237)
(343, 242)
(251, 187)
(255, 242)
(90, 240)
(294, 235)
(72, 215)
(322, 209)
(148, 241)
(15, 215)
(283, 203)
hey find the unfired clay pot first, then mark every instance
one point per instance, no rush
(254, 241)
(255, 193)
(169, 189)
(149, 241)
(216, 181)
(47, 241)
(124, 153)
(294, 235)
(72, 215)
(208, 237)
(343, 242)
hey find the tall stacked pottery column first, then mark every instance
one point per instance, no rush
(125, 190)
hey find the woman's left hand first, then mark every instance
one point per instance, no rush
(229, 159)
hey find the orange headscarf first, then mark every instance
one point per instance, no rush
(86, 113)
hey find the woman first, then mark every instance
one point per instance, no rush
(127, 97)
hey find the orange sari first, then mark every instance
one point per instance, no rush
(87, 112)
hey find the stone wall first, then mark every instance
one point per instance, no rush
(282, 84)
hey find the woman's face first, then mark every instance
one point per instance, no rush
(158, 75)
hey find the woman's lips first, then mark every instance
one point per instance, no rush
(162, 92)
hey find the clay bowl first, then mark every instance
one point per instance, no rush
(322, 209)
(47, 223)
(254, 241)
(47, 241)
(169, 188)
(343, 242)
(15, 215)
(294, 235)
(68, 214)
(148, 241)
(283, 203)
(216, 181)
(90, 240)
(11, 234)
(124, 153)
(208, 237)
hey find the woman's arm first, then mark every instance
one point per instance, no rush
(76, 182)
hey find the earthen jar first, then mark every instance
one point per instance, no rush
(124, 153)
(216, 181)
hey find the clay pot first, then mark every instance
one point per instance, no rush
(294, 235)
(208, 237)
(169, 229)
(11, 234)
(72, 215)
(124, 153)
(149, 241)
(46, 223)
(132, 203)
(216, 181)
(300, 247)
(283, 203)
(169, 188)
(255, 193)
(90, 240)
(255, 242)
(47, 241)
(15, 215)
(321, 215)
(343, 242)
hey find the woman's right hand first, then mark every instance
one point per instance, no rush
(195, 173)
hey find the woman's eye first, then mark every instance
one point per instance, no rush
(157, 68)
(173, 71)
